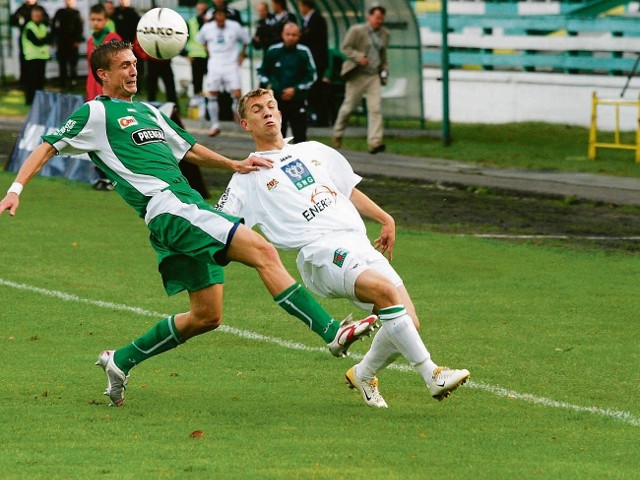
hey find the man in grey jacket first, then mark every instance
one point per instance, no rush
(365, 47)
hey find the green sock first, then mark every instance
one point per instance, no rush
(297, 301)
(163, 336)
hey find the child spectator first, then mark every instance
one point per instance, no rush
(99, 34)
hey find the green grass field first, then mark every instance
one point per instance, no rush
(551, 338)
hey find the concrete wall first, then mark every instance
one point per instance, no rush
(503, 97)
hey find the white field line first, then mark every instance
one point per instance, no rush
(550, 237)
(493, 389)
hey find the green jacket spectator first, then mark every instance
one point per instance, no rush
(288, 69)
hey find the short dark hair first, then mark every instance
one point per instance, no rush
(99, 9)
(379, 8)
(102, 55)
(38, 8)
(282, 3)
(309, 3)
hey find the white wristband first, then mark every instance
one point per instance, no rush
(16, 188)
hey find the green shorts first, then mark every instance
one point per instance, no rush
(191, 239)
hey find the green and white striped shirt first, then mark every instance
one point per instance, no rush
(136, 146)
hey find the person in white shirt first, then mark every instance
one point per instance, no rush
(309, 203)
(226, 42)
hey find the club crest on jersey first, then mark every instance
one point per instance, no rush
(339, 256)
(147, 135)
(125, 122)
(298, 174)
(273, 183)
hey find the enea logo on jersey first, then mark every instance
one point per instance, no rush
(321, 198)
(147, 135)
(125, 122)
(298, 174)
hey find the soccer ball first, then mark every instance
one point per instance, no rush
(162, 33)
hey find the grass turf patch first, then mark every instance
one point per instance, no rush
(557, 325)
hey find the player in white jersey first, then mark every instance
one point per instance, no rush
(309, 202)
(226, 42)
(138, 148)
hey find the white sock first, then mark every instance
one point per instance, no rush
(213, 109)
(381, 354)
(405, 337)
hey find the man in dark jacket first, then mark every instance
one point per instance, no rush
(315, 36)
(288, 69)
(264, 35)
(126, 19)
(67, 33)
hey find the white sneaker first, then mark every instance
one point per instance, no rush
(116, 379)
(445, 380)
(349, 332)
(368, 390)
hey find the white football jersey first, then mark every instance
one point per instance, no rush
(223, 44)
(302, 198)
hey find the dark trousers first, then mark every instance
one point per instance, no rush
(160, 69)
(68, 64)
(198, 71)
(320, 100)
(33, 78)
(294, 113)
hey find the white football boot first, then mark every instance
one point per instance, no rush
(368, 390)
(445, 380)
(116, 379)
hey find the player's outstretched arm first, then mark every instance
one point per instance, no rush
(204, 157)
(31, 166)
(369, 209)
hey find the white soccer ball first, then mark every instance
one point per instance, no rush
(162, 33)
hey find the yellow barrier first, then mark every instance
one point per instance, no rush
(593, 130)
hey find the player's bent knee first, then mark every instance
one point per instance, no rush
(206, 319)
(208, 323)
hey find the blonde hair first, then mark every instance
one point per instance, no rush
(256, 92)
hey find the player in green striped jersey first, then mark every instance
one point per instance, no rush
(138, 148)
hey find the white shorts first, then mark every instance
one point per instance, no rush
(329, 267)
(225, 77)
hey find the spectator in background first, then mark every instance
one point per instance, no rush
(288, 69)
(264, 36)
(67, 32)
(110, 8)
(99, 34)
(365, 47)
(19, 19)
(282, 16)
(35, 45)
(160, 69)
(315, 35)
(232, 13)
(126, 20)
(196, 52)
(221, 37)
